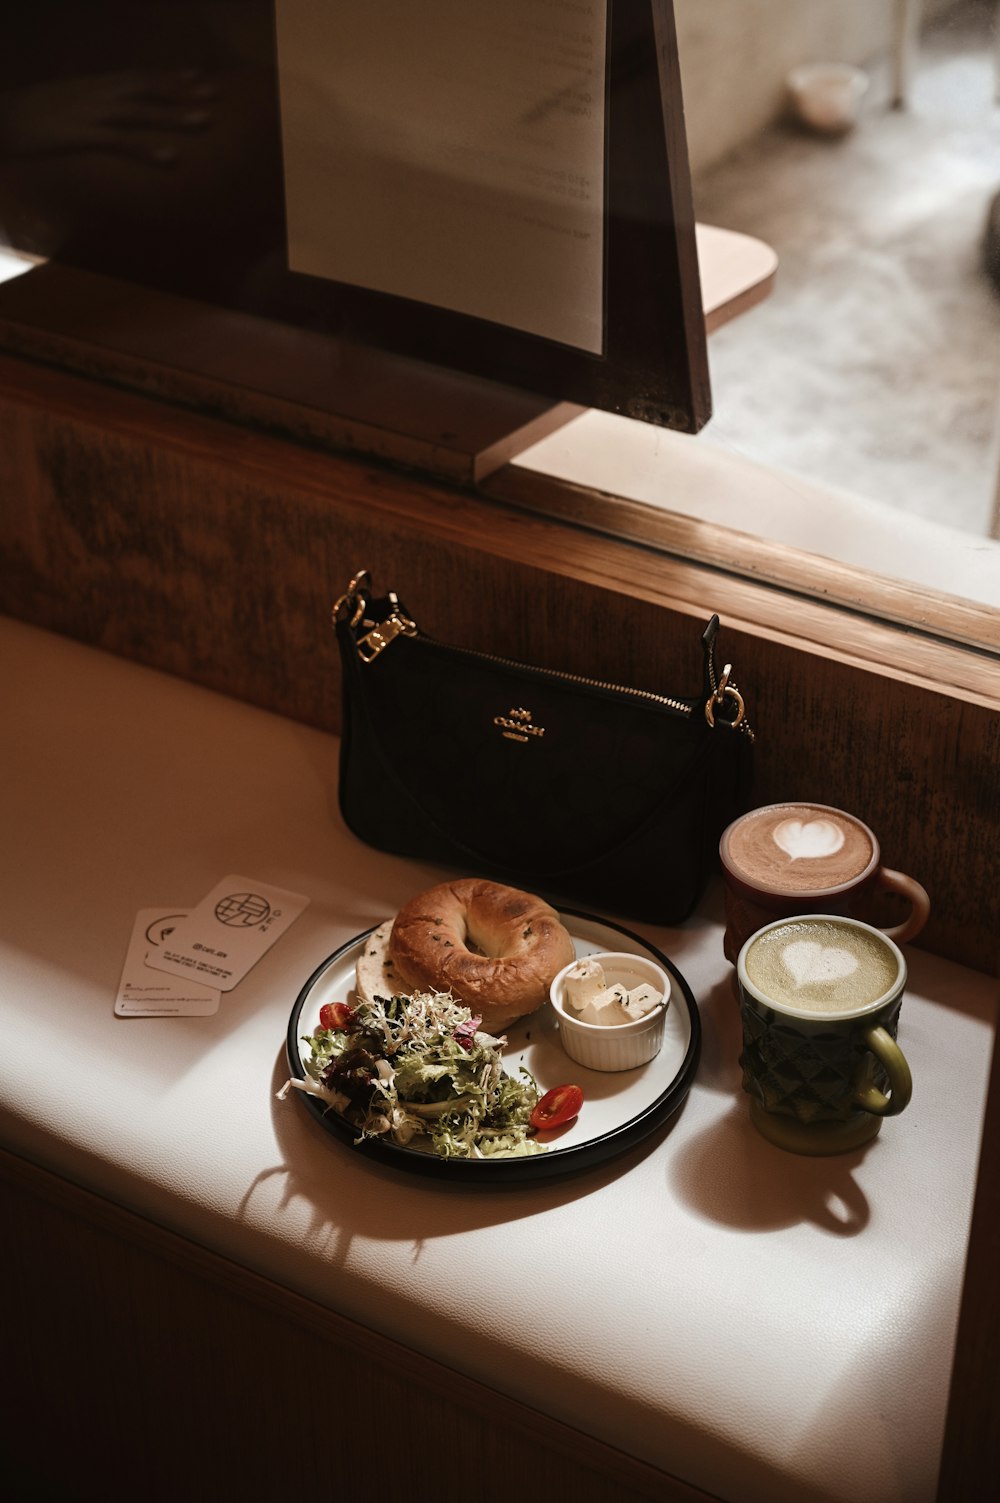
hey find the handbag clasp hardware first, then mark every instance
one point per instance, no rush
(378, 639)
(354, 597)
(725, 690)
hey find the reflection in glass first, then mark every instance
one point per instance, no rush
(875, 366)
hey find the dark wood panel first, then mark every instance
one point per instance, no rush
(145, 1366)
(970, 1468)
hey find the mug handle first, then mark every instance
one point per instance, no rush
(890, 1055)
(920, 903)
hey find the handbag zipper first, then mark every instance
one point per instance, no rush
(379, 635)
(375, 641)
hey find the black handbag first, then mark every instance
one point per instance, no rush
(576, 789)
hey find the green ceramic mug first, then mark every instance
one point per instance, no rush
(820, 998)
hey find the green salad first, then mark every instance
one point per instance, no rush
(403, 1068)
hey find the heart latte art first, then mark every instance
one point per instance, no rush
(804, 838)
(797, 848)
(808, 960)
(821, 965)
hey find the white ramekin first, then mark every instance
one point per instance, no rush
(621, 1046)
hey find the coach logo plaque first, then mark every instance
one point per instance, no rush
(516, 725)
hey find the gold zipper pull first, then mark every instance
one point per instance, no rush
(377, 640)
(726, 689)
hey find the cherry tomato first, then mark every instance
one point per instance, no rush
(558, 1106)
(335, 1015)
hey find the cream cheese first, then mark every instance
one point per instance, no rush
(584, 981)
(642, 999)
(608, 1009)
(586, 990)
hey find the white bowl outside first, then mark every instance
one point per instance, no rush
(828, 96)
(621, 1046)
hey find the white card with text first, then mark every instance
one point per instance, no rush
(147, 993)
(228, 931)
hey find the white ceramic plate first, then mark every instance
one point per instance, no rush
(619, 1108)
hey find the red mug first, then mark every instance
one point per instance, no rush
(785, 859)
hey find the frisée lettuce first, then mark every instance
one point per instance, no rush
(402, 1067)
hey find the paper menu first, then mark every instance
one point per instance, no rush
(451, 152)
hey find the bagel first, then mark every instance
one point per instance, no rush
(496, 949)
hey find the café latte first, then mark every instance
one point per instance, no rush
(821, 965)
(797, 848)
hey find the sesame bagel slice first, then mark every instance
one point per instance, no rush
(495, 948)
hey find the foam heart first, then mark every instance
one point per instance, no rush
(808, 838)
(809, 961)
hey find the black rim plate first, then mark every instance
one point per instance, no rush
(620, 1109)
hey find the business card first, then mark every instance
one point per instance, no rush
(147, 993)
(221, 938)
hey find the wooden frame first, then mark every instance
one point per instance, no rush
(302, 385)
(939, 616)
(226, 244)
